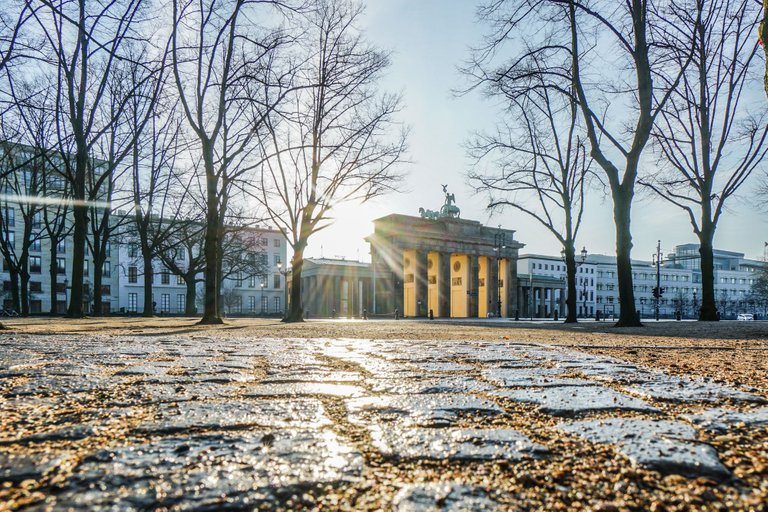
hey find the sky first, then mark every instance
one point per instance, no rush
(429, 39)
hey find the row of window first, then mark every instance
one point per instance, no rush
(561, 268)
(235, 305)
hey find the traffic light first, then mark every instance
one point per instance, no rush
(661, 291)
(656, 293)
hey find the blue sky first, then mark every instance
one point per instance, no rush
(428, 40)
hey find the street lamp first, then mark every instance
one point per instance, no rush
(284, 271)
(499, 242)
(695, 303)
(262, 296)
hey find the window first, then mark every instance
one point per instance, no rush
(276, 242)
(37, 220)
(263, 241)
(239, 279)
(61, 246)
(181, 302)
(180, 254)
(165, 277)
(105, 289)
(179, 279)
(252, 282)
(35, 245)
(34, 264)
(277, 304)
(276, 281)
(86, 266)
(277, 259)
(251, 304)
(132, 275)
(237, 307)
(61, 266)
(133, 300)
(264, 258)
(264, 304)
(9, 217)
(35, 286)
(106, 270)
(165, 302)
(11, 237)
(133, 250)
(107, 248)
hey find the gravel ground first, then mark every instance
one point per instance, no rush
(125, 414)
(728, 351)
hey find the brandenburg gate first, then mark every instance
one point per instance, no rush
(443, 264)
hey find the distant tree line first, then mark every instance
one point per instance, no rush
(192, 118)
(665, 95)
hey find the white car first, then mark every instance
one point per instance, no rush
(745, 317)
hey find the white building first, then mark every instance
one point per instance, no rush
(242, 293)
(547, 274)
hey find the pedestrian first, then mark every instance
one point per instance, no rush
(397, 314)
(365, 314)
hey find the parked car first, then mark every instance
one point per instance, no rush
(745, 317)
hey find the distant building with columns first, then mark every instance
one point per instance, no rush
(450, 266)
(335, 287)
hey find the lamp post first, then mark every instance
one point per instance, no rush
(695, 303)
(499, 242)
(262, 296)
(657, 292)
(66, 287)
(284, 272)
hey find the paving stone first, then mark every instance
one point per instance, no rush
(455, 443)
(231, 414)
(455, 384)
(442, 367)
(665, 446)
(70, 433)
(721, 420)
(51, 386)
(305, 388)
(218, 472)
(531, 377)
(17, 467)
(572, 400)
(417, 410)
(311, 375)
(679, 389)
(446, 497)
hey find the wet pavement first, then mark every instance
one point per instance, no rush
(198, 423)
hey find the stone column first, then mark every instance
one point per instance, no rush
(542, 302)
(552, 302)
(420, 283)
(493, 285)
(510, 285)
(444, 285)
(397, 289)
(472, 285)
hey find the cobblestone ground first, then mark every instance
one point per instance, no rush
(202, 423)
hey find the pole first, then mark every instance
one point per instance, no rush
(658, 278)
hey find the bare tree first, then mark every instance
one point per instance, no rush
(333, 142)
(84, 42)
(619, 96)
(539, 168)
(220, 61)
(182, 254)
(710, 135)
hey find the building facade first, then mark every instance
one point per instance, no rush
(443, 266)
(333, 288)
(546, 276)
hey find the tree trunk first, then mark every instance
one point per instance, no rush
(211, 310)
(24, 280)
(296, 312)
(13, 277)
(98, 267)
(80, 216)
(149, 274)
(52, 275)
(570, 269)
(708, 311)
(189, 307)
(622, 205)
